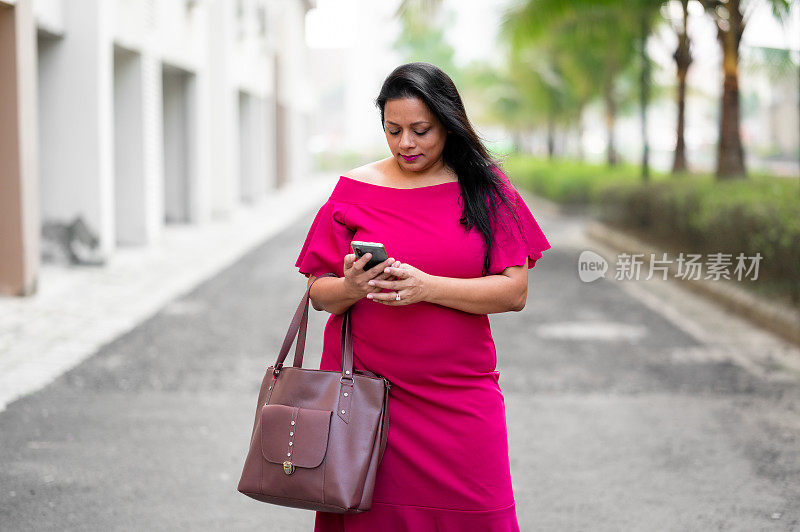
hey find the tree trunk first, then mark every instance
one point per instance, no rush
(644, 94)
(683, 58)
(550, 135)
(611, 154)
(730, 154)
(679, 162)
(516, 141)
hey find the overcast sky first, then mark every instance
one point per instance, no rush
(333, 24)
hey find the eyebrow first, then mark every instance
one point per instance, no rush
(413, 124)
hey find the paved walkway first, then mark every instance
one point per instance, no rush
(77, 310)
(630, 405)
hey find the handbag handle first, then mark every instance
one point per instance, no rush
(300, 323)
(300, 347)
(346, 347)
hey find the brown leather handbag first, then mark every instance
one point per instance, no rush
(318, 436)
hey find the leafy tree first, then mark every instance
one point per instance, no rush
(589, 43)
(422, 35)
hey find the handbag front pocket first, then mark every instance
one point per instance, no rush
(294, 437)
(294, 441)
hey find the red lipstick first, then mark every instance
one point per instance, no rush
(410, 158)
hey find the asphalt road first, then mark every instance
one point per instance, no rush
(618, 418)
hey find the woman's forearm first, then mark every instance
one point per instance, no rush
(330, 294)
(481, 295)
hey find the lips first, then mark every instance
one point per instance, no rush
(410, 158)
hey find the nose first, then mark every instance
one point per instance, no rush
(406, 142)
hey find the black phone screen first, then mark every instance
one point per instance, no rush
(376, 248)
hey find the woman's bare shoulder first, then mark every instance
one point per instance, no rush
(373, 172)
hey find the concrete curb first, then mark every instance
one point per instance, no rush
(774, 317)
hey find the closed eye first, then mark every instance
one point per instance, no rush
(420, 133)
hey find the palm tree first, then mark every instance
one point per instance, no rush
(422, 35)
(602, 28)
(647, 11)
(683, 59)
(494, 97)
(582, 65)
(731, 18)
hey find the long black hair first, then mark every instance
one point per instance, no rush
(463, 151)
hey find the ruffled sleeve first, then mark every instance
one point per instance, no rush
(327, 242)
(515, 240)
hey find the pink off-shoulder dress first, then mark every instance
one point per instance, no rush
(446, 465)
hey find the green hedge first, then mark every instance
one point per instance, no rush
(568, 181)
(693, 213)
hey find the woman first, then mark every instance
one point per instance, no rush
(463, 241)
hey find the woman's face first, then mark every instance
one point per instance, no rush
(415, 136)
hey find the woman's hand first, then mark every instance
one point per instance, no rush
(356, 278)
(412, 284)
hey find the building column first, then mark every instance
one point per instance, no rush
(252, 147)
(76, 121)
(19, 186)
(222, 108)
(292, 96)
(129, 151)
(153, 142)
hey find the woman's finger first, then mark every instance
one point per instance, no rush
(382, 283)
(383, 297)
(400, 273)
(387, 275)
(360, 263)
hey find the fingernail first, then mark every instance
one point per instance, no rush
(387, 270)
(371, 283)
(391, 259)
(369, 296)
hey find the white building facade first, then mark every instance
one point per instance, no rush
(134, 114)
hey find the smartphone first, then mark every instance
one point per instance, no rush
(376, 248)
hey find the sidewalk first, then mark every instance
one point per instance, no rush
(78, 309)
